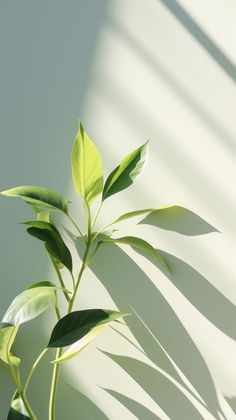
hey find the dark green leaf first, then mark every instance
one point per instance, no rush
(126, 173)
(86, 163)
(42, 284)
(28, 305)
(76, 325)
(140, 245)
(39, 197)
(54, 243)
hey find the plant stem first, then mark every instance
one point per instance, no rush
(33, 369)
(75, 224)
(81, 270)
(56, 368)
(59, 277)
(52, 400)
(96, 214)
(16, 378)
(28, 407)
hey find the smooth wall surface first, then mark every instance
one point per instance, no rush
(162, 70)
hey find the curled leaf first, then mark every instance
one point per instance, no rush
(54, 243)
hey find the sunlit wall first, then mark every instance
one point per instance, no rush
(131, 71)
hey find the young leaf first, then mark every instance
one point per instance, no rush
(53, 241)
(28, 305)
(7, 337)
(39, 197)
(86, 163)
(76, 325)
(18, 410)
(132, 214)
(127, 172)
(141, 245)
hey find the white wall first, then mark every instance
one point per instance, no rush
(131, 71)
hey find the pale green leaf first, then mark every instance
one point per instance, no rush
(127, 172)
(87, 172)
(28, 305)
(39, 197)
(80, 345)
(131, 214)
(7, 338)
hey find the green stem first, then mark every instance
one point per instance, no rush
(56, 368)
(96, 214)
(32, 370)
(16, 378)
(75, 225)
(81, 270)
(53, 392)
(101, 230)
(28, 407)
(59, 277)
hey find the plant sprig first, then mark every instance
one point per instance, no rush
(77, 328)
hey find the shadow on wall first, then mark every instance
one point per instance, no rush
(204, 40)
(159, 331)
(156, 67)
(178, 219)
(133, 406)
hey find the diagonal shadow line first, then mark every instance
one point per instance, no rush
(205, 297)
(186, 169)
(139, 410)
(206, 42)
(178, 87)
(78, 403)
(168, 397)
(129, 286)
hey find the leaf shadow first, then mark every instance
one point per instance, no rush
(165, 340)
(77, 403)
(205, 297)
(166, 394)
(232, 402)
(178, 219)
(133, 406)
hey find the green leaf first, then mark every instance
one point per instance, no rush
(76, 325)
(7, 338)
(39, 197)
(86, 163)
(93, 331)
(54, 243)
(43, 216)
(80, 345)
(28, 305)
(132, 214)
(18, 410)
(141, 245)
(127, 172)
